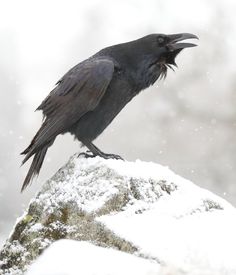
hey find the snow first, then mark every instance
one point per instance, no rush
(175, 226)
(96, 178)
(81, 187)
(202, 241)
(67, 257)
(192, 228)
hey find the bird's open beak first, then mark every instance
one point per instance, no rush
(174, 38)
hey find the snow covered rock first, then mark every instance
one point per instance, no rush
(137, 207)
(69, 257)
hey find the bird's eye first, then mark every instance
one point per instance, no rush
(160, 40)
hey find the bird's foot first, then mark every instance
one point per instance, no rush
(110, 156)
(89, 154)
(94, 151)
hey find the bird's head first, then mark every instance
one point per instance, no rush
(172, 46)
(162, 49)
(148, 58)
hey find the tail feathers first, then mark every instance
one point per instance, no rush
(36, 144)
(32, 149)
(26, 151)
(35, 166)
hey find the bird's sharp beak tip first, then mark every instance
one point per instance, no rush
(183, 36)
(174, 38)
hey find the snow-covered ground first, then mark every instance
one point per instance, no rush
(171, 226)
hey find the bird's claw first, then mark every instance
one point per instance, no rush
(89, 154)
(112, 156)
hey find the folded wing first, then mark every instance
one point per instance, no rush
(78, 92)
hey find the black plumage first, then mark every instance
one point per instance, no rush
(90, 95)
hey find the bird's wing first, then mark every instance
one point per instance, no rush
(78, 92)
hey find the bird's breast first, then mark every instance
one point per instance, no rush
(93, 123)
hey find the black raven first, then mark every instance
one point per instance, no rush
(90, 95)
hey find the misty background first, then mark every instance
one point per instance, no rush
(187, 122)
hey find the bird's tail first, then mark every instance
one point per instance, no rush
(35, 166)
(38, 147)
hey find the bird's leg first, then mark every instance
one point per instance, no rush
(97, 152)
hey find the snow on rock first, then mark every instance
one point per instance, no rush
(69, 257)
(137, 207)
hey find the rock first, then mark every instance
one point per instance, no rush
(136, 207)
